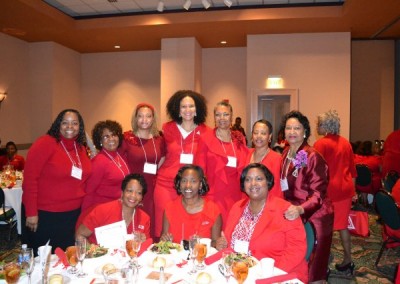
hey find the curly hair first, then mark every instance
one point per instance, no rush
(54, 130)
(301, 118)
(266, 172)
(173, 106)
(329, 121)
(137, 177)
(154, 129)
(204, 188)
(97, 132)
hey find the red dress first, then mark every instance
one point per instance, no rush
(274, 236)
(111, 212)
(391, 153)
(18, 162)
(136, 155)
(273, 162)
(212, 156)
(182, 225)
(309, 189)
(175, 144)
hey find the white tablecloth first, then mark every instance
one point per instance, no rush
(93, 268)
(14, 199)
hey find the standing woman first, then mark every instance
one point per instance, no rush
(338, 154)
(144, 149)
(222, 154)
(304, 182)
(261, 136)
(108, 167)
(188, 111)
(56, 171)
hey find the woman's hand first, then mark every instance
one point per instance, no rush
(293, 212)
(166, 237)
(32, 223)
(221, 242)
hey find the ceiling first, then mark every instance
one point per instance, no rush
(99, 25)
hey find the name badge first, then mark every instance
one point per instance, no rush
(232, 161)
(284, 184)
(76, 172)
(241, 246)
(186, 159)
(150, 168)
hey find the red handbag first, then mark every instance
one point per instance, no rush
(358, 223)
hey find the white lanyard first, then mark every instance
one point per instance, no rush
(77, 156)
(118, 165)
(144, 151)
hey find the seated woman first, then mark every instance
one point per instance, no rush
(133, 189)
(258, 225)
(12, 158)
(190, 213)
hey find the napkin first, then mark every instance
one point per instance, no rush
(43, 252)
(62, 256)
(276, 279)
(216, 256)
(145, 245)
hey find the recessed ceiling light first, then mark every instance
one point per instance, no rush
(223, 41)
(117, 46)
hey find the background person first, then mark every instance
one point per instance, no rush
(12, 158)
(237, 126)
(55, 175)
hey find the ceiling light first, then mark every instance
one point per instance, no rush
(187, 4)
(228, 3)
(223, 42)
(117, 46)
(160, 6)
(206, 4)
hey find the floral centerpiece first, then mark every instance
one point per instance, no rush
(300, 161)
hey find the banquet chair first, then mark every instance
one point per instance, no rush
(364, 183)
(388, 210)
(389, 180)
(310, 235)
(7, 215)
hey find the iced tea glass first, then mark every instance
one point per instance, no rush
(12, 272)
(70, 252)
(240, 270)
(201, 250)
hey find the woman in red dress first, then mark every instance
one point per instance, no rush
(261, 137)
(304, 182)
(143, 147)
(188, 111)
(222, 155)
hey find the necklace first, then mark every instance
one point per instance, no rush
(220, 137)
(253, 159)
(255, 216)
(117, 163)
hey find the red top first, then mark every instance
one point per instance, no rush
(273, 162)
(396, 192)
(181, 222)
(111, 212)
(48, 184)
(391, 153)
(104, 184)
(338, 154)
(274, 236)
(18, 162)
(374, 164)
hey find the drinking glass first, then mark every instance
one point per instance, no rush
(80, 245)
(28, 262)
(226, 265)
(12, 272)
(200, 255)
(70, 252)
(240, 270)
(193, 240)
(133, 244)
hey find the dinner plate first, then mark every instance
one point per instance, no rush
(168, 262)
(172, 251)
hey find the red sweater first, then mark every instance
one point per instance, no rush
(48, 184)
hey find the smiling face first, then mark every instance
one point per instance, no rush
(260, 135)
(69, 127)
(294, 132)
(11, 151)
(187, 109)
(190, 184)
(144, 118)
(109, 140)
(223, 117)
(133, 194)
(255, 184)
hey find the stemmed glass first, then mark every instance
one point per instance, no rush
(240, 270)
(193, 240)
(226, 266)
(28, 262)
(133, 244)
(80, 245)
(70, 252)
(201, 254)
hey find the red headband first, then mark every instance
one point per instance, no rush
(139, 106)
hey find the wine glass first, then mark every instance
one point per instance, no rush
(132, 245)
(240, 270)
(226, 266)
(80, 244)
(28, 262)
(201, 254)
(70, 252)
(193, 240)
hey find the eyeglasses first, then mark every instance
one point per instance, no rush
(108, 136)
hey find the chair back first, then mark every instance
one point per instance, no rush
(310, 235)
(388, 209)
(364, 176)
(390, 180)
(6, 214)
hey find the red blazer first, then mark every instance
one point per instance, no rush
(274, 236)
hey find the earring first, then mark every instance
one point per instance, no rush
(101, 144)
(304, 136)
(195, 114)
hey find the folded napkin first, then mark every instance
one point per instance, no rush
(277, 279)
(145, 245)
(62, 256)
(216, 256)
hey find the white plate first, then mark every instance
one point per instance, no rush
(66, 279)
(168, 262)
(172, 251)
(53, 259)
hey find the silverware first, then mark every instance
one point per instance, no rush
(221, 269)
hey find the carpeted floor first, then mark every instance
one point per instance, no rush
(364, 253)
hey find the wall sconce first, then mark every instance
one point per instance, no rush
(3, 96)
(274, 82)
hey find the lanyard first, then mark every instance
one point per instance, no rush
(193, 133)
(144, 151)
(69, 156)
(222, 144)
(133, 217)
(118, 165)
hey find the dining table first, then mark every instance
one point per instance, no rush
(176, 270)
(13, 198)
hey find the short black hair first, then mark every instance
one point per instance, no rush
(267, 173)
(204, 188)
(301, 118)
(139, 178)
(113, 126)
